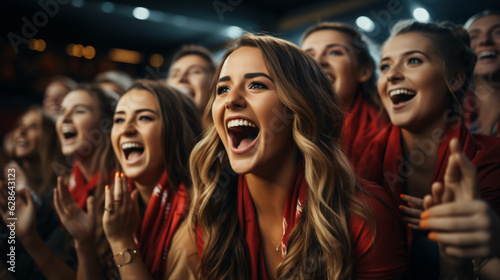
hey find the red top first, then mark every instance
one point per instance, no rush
(383, 161)
(79, 187)
(382, 260)
(165, 212)
(361, 124)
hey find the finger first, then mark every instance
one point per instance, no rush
(413, 226)
(459, 208)
(473, 252)
(437, 190)
(460, 174)
(108, 200)
(412, 212)
(66, 197)
(428, 202)
(57, 204)
(413, 221)
(90, 207)
(412, 200)
(118, 191)
(464, 240)
(456, 224)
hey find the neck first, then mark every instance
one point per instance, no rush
(420, 148)
(348, 101)
(87, 168)
(145, 186)
(269, 189)
(488, 97)
(33, 169)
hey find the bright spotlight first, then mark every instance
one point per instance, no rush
(365, 23)
(421, 14)
(141, 13)
(107, 7)
(234, 32)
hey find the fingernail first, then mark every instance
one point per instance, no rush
(401, 207)
(107, 187)
(411, 204)
(402, 195)
(117, 174)
(122, 174)
(424, 224)
(432, 236)
(424, 215)
(409, 225)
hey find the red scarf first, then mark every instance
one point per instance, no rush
(383, 161)
(79, 188)
(165, 212)
(361, 124)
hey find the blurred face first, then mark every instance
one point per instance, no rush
(412, 85)
(191, 74)
(485, 40)
(78, 124)
(27, 135)
(332, 50)
(54, 95)
(251, 121)
(136, 136)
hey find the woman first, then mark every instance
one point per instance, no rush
(84, 128)
(425, 71)
(343, 54)
(153, 132)
(296, 210)
(484, 105)
(36, 150)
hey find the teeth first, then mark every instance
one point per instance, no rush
(66, 129)
(130, 145)
(401, 91)
(239, 122)
(486, 53)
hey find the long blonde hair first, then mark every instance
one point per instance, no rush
(319, 246)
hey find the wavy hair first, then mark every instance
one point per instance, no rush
(322, 232)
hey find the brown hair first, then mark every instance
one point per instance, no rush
(322, 232)
(361, 47)
(195, 50)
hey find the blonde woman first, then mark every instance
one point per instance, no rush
(295, 209)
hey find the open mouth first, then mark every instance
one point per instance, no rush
(401, 95)
(487, 55)
(69, 132)
(132, 151)
(242, 132)
(21, 142)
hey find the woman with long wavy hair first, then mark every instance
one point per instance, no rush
(296, 209)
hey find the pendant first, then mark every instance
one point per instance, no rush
(277, 249)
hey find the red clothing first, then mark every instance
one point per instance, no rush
(165, 212)
(361, 124)
(79, 187)
(383, 161)
(385, 259)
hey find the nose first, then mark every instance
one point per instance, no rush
(128, 127)
(485, 39)
(321, 59)
(235, 100)
(394, 74)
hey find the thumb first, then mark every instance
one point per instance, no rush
(90, 207)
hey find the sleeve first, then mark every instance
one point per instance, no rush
(182, 259)
(380, 254)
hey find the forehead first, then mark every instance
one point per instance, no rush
(31, 116)
(485, 22)
(190, 60)
(136, 99)
(244, 60)
(406, 42)
(78, 97)
(325, 37)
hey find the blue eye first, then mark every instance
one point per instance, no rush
(414, 60)
(145, 118)
(335, 52)
(118, 120)
(384, 67)
(257, 85)
(222, 89)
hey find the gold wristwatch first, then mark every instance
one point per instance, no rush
(125, 257)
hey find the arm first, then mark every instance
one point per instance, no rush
(120, 220)
(81, 226)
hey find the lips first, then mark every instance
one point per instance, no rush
(22, 142)
(243, 134)
(69, 132)
(132, 151)
(487, 55)
(401, 96)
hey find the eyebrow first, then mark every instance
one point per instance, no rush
(247, 76)
(77, 105)
(329, 46)
(407, 54)
(138, 111)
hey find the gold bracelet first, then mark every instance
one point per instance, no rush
(127, 256)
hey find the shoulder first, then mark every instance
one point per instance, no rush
(182, 258)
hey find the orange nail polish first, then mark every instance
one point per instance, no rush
(401, 207)
(122, 174)
(107, 187)
(424, 224)
(402, 195)
(117, 174)
(432, 236)
(424, 215)
(409, 225)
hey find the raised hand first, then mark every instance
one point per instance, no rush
(412, 211)
(80, 224)
(121, 216)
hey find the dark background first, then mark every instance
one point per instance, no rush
(105, 25)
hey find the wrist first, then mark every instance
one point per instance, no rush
(119, 246)
(30, 240)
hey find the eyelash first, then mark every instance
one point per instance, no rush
(253, 85)
(414, 58)
(262, 85)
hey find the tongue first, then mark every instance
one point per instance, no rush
(134, 155)
(245, 143)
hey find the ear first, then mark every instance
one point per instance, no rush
(457, 81)
(365, 72)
